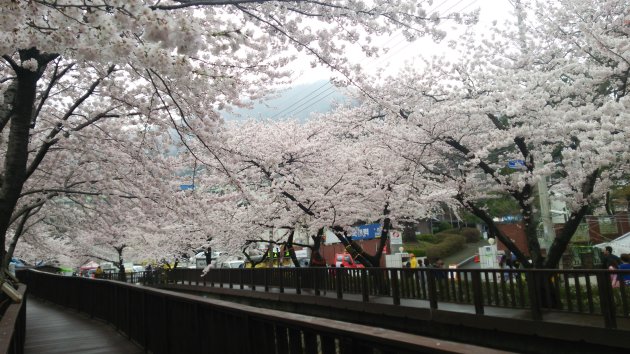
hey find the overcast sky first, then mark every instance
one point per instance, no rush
(311, 92)
(402, 52)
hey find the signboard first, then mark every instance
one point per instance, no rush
(186, 187)
(516, 164)
(488, 257)
(607, 225)
(366, 232)
(395, 238)
(581, 234)
(200, 263)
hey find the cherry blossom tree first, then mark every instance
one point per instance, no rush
(72, 70)
(551, 93)
(318, 174)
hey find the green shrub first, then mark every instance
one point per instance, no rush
(471, 234)
(440, 236)
(427, 238)
(418, 252)
(449, 245)
(443, 226)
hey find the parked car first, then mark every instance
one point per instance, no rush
(233, 264)
(345, 260)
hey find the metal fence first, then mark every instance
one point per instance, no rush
(166, 322)
(589, 292)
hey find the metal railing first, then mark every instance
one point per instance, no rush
(13, 325)
(166, 322)
(589, 292)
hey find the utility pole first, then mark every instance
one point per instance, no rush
(543, 193)
(545, 214)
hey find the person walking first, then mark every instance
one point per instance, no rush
(208, 254)
(625, 265)
(609, 258)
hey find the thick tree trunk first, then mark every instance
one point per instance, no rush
(17, 152)
(409, 232)
(357, 251)
(317, 260)
(494, 230)
(531, 234)
(16, 156)
(289, 247)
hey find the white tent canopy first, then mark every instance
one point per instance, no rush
(619, 245)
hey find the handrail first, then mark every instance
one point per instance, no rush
(538, 291)
(166, 322)
(13, 326)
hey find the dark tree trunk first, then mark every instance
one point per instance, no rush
(409, 232)
(17, 151)
(357, 251)
(289, 247)
(16, 155)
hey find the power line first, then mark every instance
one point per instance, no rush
(457, 3)
(438, 6)
(300, 100)
(288, 111)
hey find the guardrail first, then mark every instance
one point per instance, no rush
(167, 322)
(538, 291)
(13, 325)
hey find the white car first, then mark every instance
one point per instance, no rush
(233, 264)
(137, 268)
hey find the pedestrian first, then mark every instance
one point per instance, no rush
(609, 258)
(413, 261)
(614, 276)
(208, 255)
(625, 265)
(439, 264)
(99, 272)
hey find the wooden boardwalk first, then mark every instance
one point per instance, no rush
(54, 329)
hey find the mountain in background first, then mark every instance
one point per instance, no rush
(297, 102)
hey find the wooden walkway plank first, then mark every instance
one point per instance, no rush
(54, 329)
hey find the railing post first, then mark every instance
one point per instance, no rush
(433, 301)
(533, 288)
(266, 275)
(252, 281)
(606, 299)
(395, 286)
(315, 275)
(281, 280)
(364, 286)
(338, 272)
(477, 292)
(298, 280)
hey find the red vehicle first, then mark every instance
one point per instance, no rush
(345, 260)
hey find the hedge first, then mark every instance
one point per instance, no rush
(427, 238)
(471, 234)
(450, 245)
(418, 252)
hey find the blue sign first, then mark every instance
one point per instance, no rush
(186, 187)
(366, 232)
(516, 164)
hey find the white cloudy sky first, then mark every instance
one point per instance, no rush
(402, 52)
